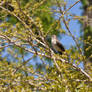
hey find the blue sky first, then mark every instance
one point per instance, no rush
(74, 25)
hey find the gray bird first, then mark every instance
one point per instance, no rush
(56, 45)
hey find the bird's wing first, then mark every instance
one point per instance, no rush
(60, 46)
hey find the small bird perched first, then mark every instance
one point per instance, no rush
(56, 45)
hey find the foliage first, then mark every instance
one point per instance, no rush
(87, 28)
(87, 34)
(24, 28)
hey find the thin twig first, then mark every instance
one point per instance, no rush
(71, 6)
(1, 47)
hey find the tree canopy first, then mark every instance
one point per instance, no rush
(26, 28)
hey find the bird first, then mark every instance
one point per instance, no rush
(56, 45)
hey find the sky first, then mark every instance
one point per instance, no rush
(74, 25)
